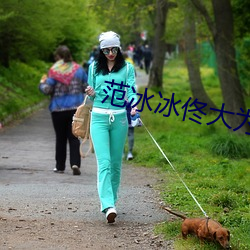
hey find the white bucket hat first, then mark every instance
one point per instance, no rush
(109, 39)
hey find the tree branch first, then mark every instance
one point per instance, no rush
(202, 9)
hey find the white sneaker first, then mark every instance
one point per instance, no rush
(58, 171)
(129, 156)
(76, 170)
(111, 214)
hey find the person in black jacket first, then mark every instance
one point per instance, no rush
(147, 54)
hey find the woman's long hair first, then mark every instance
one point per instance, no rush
(102, 66)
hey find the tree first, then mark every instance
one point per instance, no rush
(159, 44)
(223, 38)
(193, 59)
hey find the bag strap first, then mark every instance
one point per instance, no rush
(91, 148)
(86, 138)
(85, 99)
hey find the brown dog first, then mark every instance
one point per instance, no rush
(204, 229)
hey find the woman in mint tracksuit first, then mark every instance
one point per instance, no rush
(109, 123)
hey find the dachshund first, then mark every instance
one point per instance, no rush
(204, 229)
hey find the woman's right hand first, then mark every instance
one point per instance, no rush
(43, 79)
(90, 91)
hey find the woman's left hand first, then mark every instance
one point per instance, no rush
(90, 91)
(133, 111)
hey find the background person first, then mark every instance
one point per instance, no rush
(65, 83)
(147, 54)
(130, 127)
(109, 125)
(92, 57)
(132, 115)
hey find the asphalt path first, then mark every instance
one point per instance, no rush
(26, 164)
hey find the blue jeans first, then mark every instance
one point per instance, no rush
(108, 139)
(131, 139)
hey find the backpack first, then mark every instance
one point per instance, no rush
(81, 125)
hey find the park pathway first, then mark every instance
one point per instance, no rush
(40, 209)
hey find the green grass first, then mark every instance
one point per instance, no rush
(213, 163)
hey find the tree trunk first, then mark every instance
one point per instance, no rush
(223, 38)
(159, 46)
(227, 67)
(193, 62)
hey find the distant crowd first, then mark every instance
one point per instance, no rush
(140, 56)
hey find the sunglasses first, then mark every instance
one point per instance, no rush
(106, 51)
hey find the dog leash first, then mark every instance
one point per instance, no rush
(174, 170)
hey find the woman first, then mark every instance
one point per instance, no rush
(65, 83)
(109, 123)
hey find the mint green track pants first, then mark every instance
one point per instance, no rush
(108, 138)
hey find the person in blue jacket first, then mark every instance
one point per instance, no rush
(109, 125)
(65, 83)
(133, 117)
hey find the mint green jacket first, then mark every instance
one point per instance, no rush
(104, 91)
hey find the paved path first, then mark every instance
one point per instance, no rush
(141, 78)
(26, 163)
(31, 191)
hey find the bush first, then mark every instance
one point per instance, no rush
(230, 146)
(224, 200)
(19, 88)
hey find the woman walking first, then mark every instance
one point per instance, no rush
(65, 84)
(107, 77)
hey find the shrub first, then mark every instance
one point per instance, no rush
(230, 146)
(224, 200)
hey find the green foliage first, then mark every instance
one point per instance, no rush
(29, 33)
(175, 25)
(128, 15)
(19, 87)
(243, 59)
(241, 17)
(175, 28)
